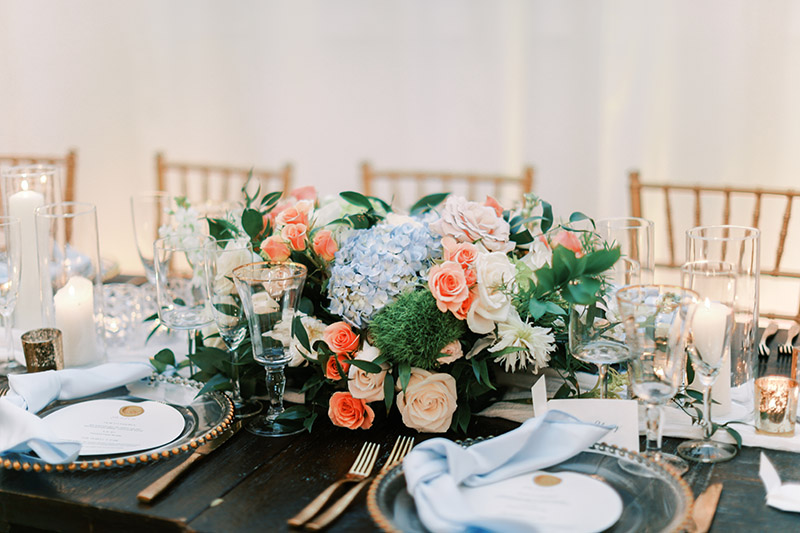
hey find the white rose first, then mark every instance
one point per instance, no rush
(365, 385)
(429, 401)
(393, 219)
(491, 305)
(315, 330)
(539, 255)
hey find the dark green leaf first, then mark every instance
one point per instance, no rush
(523, 237)
(599, 261)
(295, 412)
(228, 309)
(427, 203)
(404, 373)
(218, 382)
(735, 434)
(696, 395)
(158, 365)
(252, 222)
(300, 333)
(578, 216)
(536, 308)
(165, 356)
(357, 199)
(270, 200)
(386, 207)
(547, 217)
(366, 366)
(388, 391)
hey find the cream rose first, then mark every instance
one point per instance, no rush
(429, 401)
(453, 353)
(491, 305)
(365, 385)
(467, 221)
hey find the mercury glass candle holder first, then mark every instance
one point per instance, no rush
(776, 405)
(43, 350)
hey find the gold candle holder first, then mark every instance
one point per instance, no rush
(776, 405)
(43, 349)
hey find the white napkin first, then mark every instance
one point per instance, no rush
(436, 469)
(783, 496)
(22, 430)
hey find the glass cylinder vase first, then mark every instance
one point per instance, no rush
(26, 188)
(739, 247)
(71, 279)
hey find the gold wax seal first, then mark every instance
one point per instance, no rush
(546, 480)
(131, 410)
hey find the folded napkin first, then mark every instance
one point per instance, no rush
(436, 469)
(22, 430)
(783, 496)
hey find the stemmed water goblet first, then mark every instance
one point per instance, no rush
(270, 292)
(180, 265)
(708, 346)
(10, 271)
(656, 319)
(226, 307)
(150, 213)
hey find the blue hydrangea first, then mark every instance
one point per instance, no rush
(373, 266)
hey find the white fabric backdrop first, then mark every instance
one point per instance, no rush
(584, 90)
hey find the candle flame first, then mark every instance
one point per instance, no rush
(24, 185)
(43, 178)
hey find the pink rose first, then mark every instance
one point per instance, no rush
(324, 245)
(275, 248)
(494, 204)
(463, 253)
(304, 193)
(467, 221)
(453, 351)
(429, 401)
(567, 239)
(292, 215)
(448, 285)
(340, 338)
(295, 234)
(348, 412)
(332, 369)
(466, 305)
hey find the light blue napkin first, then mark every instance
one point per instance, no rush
(21, 430)
(436, 468)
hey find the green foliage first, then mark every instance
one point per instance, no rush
(427, 203)
(432, 330)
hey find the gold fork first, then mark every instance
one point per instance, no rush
(401, 448)
(3, 389)
(361, 469)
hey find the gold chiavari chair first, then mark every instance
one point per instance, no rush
(217, 184)
(416, 184)
(65, 163)
(676, 208)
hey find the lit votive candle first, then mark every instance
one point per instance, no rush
(776, 405)
(74, 306)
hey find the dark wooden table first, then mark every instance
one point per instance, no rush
(256, 484)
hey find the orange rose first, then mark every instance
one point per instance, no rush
(569, 240)
(332, 370)
(463, 253)
(448, 285)
(471, 276)
(295, 234)
(340, 338)
(494, 204)
(275, 248)
(324, 245)
(348, 412)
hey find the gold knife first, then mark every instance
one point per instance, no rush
(705, 506)
(159, 485)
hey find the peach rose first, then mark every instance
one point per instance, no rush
(463, 253)
(569, 240)
(448, 285)
(494, 204)
(453, 352)
(324, 245)
(348, 412)
(467, 221)
(291, 215)
(304, 193)
(340, 338)
(367, 386)
(295, 234)
(470, 276)
(466, 305)
(275, 248)
(332, 370)
(429, 401)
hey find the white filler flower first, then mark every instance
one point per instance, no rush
(536, 343)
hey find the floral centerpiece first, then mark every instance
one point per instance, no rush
(414, 312)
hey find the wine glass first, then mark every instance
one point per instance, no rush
(709, 346)
(227, 310)
(634, 237)
(10, 270)
(593, 338)
(180, 267)
(270, 292)
(656, 319)
(150, 212)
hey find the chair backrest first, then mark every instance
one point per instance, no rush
(417, 183)
(676, 208)
(65, 163)
(207, 184)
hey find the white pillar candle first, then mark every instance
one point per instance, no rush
(711, 326)
(22, 205)
(74, 309)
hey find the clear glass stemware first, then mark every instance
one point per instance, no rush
(150, 212)
(709, 346)
(227, 309)
(270, 292)
(656, 319)
(10, 273)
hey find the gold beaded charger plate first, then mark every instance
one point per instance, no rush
(659, 500)
(205, 417)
